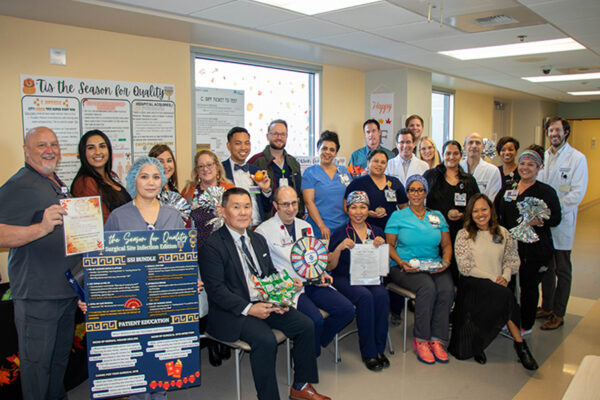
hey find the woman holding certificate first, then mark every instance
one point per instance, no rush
(415, 235)
(371, 301)
(385, 192)
(487, 257)
(95, 176)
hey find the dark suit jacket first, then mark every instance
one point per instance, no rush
(264, 203)
(225, 283)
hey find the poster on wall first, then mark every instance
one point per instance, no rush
(308, 161)
(382, 110)
(217, 111)
(134, 115)
(142, 313)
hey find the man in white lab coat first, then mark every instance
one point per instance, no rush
(487, 175)
(566, 171)
(406, 164)
(281, 232)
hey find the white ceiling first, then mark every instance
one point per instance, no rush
(381, 35)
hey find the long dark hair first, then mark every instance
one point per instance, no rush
(156, 151)
(470, 225)
(110, 196)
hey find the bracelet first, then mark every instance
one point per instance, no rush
(445, 263)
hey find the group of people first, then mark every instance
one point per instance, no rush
(431, 210)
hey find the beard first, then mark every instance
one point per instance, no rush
(276, 147)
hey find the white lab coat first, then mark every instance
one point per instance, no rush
(567, 173)
(395, 168)
(280, 244)
(487, 176)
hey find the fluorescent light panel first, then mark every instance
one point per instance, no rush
(311, 7)
(588, 93)
(563, 78)
(515, 49)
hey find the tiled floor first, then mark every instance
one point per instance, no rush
(558, 353)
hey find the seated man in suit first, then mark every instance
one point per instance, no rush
(244, 175)
(230, 256)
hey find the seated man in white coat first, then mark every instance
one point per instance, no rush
(406, 164)
(281, 232)
(487, 175)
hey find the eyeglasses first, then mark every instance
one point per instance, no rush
(288, 204)
(205, 166)
(419, 190)
(278, 134)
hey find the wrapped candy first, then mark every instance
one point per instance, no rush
(277, 288)
(175, 200)
(489, 148)
(529, 208)
(210, 199)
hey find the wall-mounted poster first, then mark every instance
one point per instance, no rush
(217, 111)
(142, 313)
(134, 115)
(382, 110)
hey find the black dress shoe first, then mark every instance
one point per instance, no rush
(213, 354)
(372, 364)
(525, 356)
(224, 351)
(383, 360)
(480, 358)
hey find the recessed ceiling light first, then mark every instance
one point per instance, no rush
(515, 49)
(588, 93)
(563, 78)
(311, 7)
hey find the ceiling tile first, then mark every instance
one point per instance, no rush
(172, 6)
(417, 31)
(371, 16)
(307, 28)
(246, 13)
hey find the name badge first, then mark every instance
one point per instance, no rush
(345, 179)
(564, 188)
(511, 195)
(283, 182)
(64, 189)
(390, 195)
(434, 220)
(460, 199)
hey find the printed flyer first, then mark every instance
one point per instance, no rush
(142, 313)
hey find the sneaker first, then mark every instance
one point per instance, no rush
(506, 333)
(437, 348)
(525, 332)
(423, 351)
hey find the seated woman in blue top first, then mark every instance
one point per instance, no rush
(323, 187)
(371, 302)
(385, 192)
(415, 235)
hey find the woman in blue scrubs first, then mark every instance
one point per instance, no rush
(371, 301)
(323, 187)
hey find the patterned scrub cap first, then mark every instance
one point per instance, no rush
(531, 155)
(418, 178)
(358, 196)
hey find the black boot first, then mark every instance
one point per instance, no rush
(213, 354)
(525, 355)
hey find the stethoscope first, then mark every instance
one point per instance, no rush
(349, 228)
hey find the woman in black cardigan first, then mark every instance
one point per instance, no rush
(534, 256)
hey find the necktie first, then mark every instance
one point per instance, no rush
(248, 257)
(244, 167)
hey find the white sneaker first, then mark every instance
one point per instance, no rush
(506, 333)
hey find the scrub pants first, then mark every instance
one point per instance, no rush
(45, 330)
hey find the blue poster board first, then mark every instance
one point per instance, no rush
(142, 313)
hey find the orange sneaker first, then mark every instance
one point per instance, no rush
(437, 348)
(423, 351)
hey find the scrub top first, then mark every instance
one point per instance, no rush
(329, 195)
(417, 238)
(378, 198)
(358, 160)
(338, 236)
